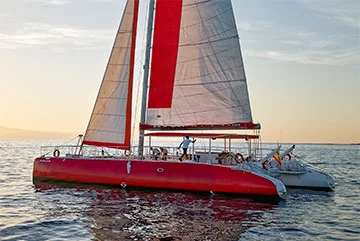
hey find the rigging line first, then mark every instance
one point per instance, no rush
(124, 32)
(112, 93)
(204, 94)
(209, 41)
(121, 47)
(207, 74)
(115, 81)
(106, 131)
(206, 56)
(69, 140)
(212, 110)
(218, 90)
(210, 83)
(62, 145)
(102, 114)
(178, 110)
(205, 20)
(196, 3)
(232, 28)
(225, 103)
(119, 64)
(111, 98)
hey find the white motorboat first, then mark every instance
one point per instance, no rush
(291, 171)
(295, 173)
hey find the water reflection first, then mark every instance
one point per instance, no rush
(118, 214)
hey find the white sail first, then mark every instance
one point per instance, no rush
(208, 85)
(110, 122)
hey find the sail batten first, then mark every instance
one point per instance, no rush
(110, 122)
(209, 88)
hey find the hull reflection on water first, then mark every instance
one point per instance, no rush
(118, 214)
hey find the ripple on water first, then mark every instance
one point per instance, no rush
(78, 212)
(46, 230)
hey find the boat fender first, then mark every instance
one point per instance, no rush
(128, 167)
(56, 153)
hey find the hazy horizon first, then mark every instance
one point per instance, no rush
(7, 133)
(16, 133)
(301, 60)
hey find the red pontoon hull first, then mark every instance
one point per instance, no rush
(156, 174)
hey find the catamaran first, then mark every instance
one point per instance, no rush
(194, 79)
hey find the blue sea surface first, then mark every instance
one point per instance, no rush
(89, 212)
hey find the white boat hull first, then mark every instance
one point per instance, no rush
(295, 174)
(311, 178)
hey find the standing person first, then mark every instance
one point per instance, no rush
(185, 145)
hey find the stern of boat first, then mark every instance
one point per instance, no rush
(311, 178)
(260, 173)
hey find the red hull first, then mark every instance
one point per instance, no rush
(154, 174)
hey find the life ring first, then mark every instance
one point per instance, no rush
(56, 153)
(239, 155)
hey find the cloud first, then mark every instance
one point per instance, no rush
(324, 57)
(310, 40)
(256, 26)
(55, 36)
(49, 2)
(346, 12)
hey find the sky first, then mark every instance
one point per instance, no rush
(302, 62)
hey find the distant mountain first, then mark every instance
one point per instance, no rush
(13, 133)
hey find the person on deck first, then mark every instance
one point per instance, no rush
(197, 158)
(185, 144)
(155, 153)
(164, 153)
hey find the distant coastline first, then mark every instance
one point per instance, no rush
(14, 133)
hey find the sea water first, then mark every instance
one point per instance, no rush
(88, 212)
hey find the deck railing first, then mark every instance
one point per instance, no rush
(105, 152)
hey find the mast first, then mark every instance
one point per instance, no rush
(146, 74)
